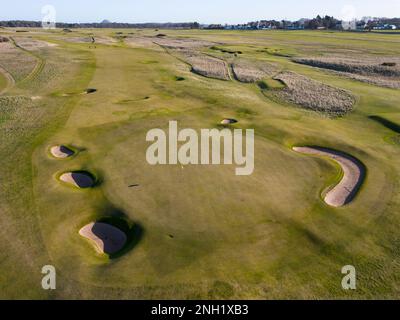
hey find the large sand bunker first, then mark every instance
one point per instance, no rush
(105, 237)
(78, 179)
(353, 175)
(61, 152)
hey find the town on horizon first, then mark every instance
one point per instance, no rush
(318, 23)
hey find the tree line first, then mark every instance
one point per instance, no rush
(116, 25)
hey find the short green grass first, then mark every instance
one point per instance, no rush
(197, 231)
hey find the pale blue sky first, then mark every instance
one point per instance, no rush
(203, 11)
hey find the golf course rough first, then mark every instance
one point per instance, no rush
(353, 175)
(106, 238)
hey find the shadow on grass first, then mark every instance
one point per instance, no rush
(386, 123)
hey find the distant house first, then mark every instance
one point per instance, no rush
(385, 27)
(361, 25)
(294, 27)
(349, 25)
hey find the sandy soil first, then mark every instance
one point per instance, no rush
(61, 152)
(77, 179)
(106, 238)
(353, 175)
(229, 121)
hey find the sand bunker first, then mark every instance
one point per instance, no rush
(90, 90)
(61, 152)
(78, 179)
(353, 175)
(228, 121)
(87, 91)
(105, 237)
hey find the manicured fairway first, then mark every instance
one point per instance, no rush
(194, 231)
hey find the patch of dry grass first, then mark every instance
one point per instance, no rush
(182, 43)
(381, 71)
(252, 71)
(33, 45)
(13, 110)
(366, 66)
(142, 42)
(18, 63)
(205, 65)
(379, 81)
(314, 95)
(189, 50)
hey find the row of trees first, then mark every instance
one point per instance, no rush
(319, 22)
(106, 24)
(326, 22)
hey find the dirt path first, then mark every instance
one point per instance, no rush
(353, 175)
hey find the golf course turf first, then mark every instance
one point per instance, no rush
(193, 232)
